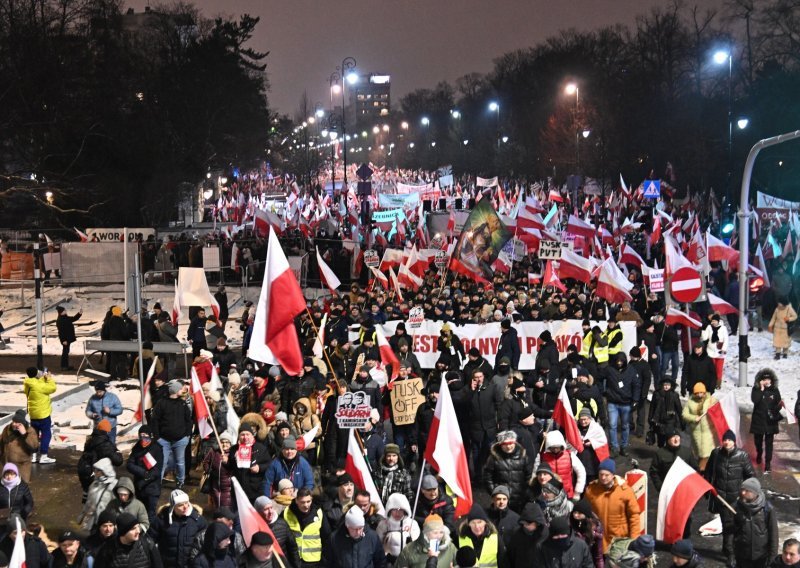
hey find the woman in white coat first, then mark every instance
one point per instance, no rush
(398, 529)
(715, 337)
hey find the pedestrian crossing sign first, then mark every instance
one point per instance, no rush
(652, 188)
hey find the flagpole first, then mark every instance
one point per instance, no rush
(419, 487)
(324, 353)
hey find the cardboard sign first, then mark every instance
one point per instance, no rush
(416, 317)
(371, 258)
(549, 250)
(441, 259)
(352, 410)
(406, 396)
(656, 280)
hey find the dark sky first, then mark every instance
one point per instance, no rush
(417, 42)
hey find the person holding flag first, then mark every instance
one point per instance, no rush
(247, 461)
(171, 422)
(145, 464)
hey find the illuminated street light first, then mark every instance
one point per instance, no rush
(404, 125)
(586, 133)
(411, 145)
(352, 77)
(324, 133)
(743, 123)
(375, 130)
(320, 113)
(571, 89)
(385, 128)
(494, 107)
(456, 114)
(504, 139)
(425, 121)
(721, 56)
(466, 142)
(336, 88)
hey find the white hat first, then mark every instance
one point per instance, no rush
(354, 518)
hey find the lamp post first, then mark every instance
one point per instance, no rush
(573, 89)
(721, 57)
(494, 107)
(335, 88)
(348, 76)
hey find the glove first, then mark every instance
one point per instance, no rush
(576, 497)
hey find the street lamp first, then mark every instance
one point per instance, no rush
(425, 121)
(455, 114)
(347, 70)
(720, 57)
(743, 123)
(586, 133)
(494, 107)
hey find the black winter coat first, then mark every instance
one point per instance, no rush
(756, 532)
(395, 479)
(142, 554)
(506, 521)
(545, 397)
(66, 327)
(483, 417)
(97, 447)
(508, 347)
(36, 554)
(523, 547)
(512, 470)
(548, 352)
(627, 377)
(172, 419)
(367, 552)
(146, 481)
(698, 370)
(726, 471)
(478, 364)
(174, 539)
(577, 555)
(664, 459)
(19, 499)
(422, 425)
(665, 411)
(766, 408)
(510, 410)
(252, 483)
(443, 506)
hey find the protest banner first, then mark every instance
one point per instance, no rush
(405, 397)
(371, 258)
(656, 279)
(352, 410)
(486, 182)
(416, 317)
(109, 235)
(395, 200)
(549, 250)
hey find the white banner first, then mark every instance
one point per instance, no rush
(394, 200)
(115, 235)
(486, 182)
(407, 188)
(549, 250)
(486, 338)
(766, 200)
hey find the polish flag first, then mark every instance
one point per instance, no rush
(274, 339)
(787, 246)
(718, 250)
(396, 285)
(596, 436)
(677, 317)
(555, 195)
(551, 278)
(681, 491)
(533, 206)
(612, 284)
(18, 552)
(451, 223)
(148, 403)
(762, 266)
(392, 258)
(445, 450)
(655, 236)
(574, 266)
(176, 306)
(673, 258)
(387, 355)
(578, 226)
(531, 237)
(356, 466)
(628, 255)
(326, 274)
(380, 277)
(725, 414)
(534, 278)
(552, 216)
(562, 415)
(83, 236)
(149, 461)
(307, 439)
(235, 266)
(201, 411)
(721, 306)
(263, 220)
(319, 343)
(408, 278)
(249, 519)
(529, 220)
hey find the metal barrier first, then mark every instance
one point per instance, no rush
(94, 346)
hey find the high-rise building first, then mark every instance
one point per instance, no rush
(370, 99)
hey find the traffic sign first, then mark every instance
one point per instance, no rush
(686, 285)
(652, 188)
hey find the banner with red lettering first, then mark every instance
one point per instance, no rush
(487, 336)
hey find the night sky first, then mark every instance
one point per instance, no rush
(417, 42)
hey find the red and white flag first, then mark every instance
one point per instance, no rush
(380, 277)
(529, 220)
(551, 278)
(201, 412)
(578, 226)
(555, 195)
(628, 255)
(612, 284)
(677, 317)
(562, 415)
(326, 274)
(249, 519)
(408, 279)
(81, 235)
(387, 355)
(451, 223)
(274, 339)
(596, 436)
(721, 306)
(18, 558)
(149, 461)
(319, 343)
(356, 466)
(681, 491)
(148, 403)
(396, 285)
(718, 250)
(235, 266)
(176, 306)
(445, 450)
(725, 414)
(574, 266)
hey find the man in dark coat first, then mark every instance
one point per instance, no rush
(665, 457)
(504, 519)
(528, 538)
(698, 368)
(562, 549)
(755, 526)
(476, 361)
(645, 378)
(509, 344)
(509, 465)
(145, 463)
(356, 544)
(197, 332)
(174, 530)
(548, 351)
(66, 334)
(483, 422)
(433, 501)
(789, 556)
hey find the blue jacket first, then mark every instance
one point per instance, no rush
(300, 474)
(95, 406)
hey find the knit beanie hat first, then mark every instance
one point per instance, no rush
(583, 506)
(585, 411)
(559, 526)
(682, 549)
(174, 387)
(432, 523)
(729, 435)
(645, 545)
(752, 484)
(261, 503)
(125, 523)
(20, 417)
(608, 465)
(104, 425)
(476, 513)
(107, 516)
(354, 518)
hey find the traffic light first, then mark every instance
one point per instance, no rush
(727, 221)
(756, 283)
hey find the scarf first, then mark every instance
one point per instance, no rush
(755, 505)
(11, 483)
(715, 333)
(388, 480)
(560, 506)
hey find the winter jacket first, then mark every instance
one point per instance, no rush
(38, 391)
(506, 521)
(663, 460)
(566, 464)
(19, 449)
(198, 544)
(224, 359)
(171, 419)
(523, 546)
(483, 416)
(442, 506)
(415, 555)
(396, 535)
(36, 554)
(617, 509)
(511, 408)
(301, 529)
(18, 499)
(252, 483)
(66, 327)
(703, 431)
(716, 347)
(766, 409)
(422, 425)
(100, 494)
(622, 384)
(392, 480)
(546, 396)
(366, 552)
(779, 326)
(146, 480)
(221, 484)
(665, 410)
(509, 347)
(304, 419)
(174, 534)
(574, 555)
(133, 506)
(548, 352)
(96, 405)
(726, 470)
(512, 470)
(698, 369)
(479, 364)
(590, 531)
(299, 471)
(756, 530)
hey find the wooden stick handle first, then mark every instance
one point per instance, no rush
(724, 502)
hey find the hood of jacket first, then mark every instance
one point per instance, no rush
(106, 467)
(125, 483)
(302, 403)
(215, 534)
(554, 439)
(767, 372)
(398, 501)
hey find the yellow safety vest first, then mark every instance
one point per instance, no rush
(592, 406)
(488, 557)
(309, 540)
(600, 352)
(611, 335)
